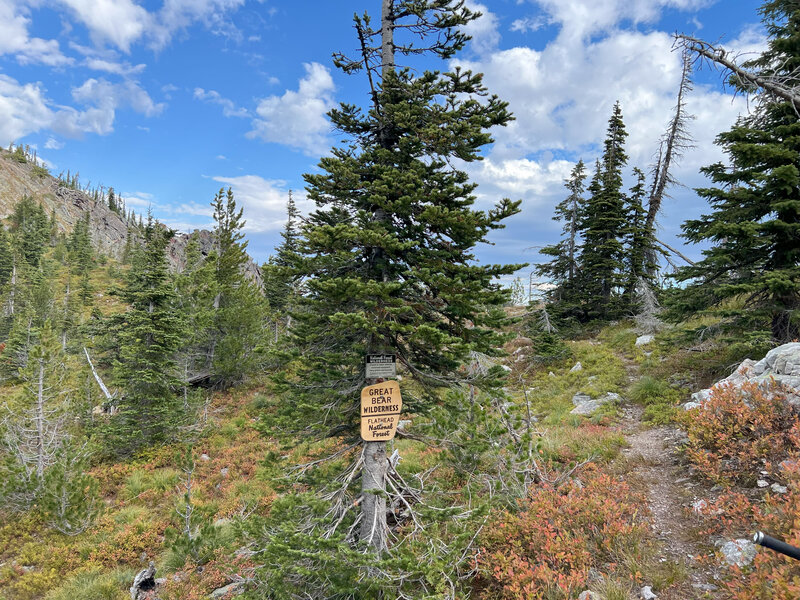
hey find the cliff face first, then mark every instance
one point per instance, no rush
(108, 230)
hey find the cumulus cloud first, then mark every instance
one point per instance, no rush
(15, 40)
(121, 22)
(484, 30)
(297, 118)
(25, 109)
(177, 15)
(263, 201)
(229, 109)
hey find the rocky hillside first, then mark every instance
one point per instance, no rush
(17, 179)
(109, 230)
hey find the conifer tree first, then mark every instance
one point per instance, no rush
(389, 251)
(754, 222)
(6, 257)
(147, 337)
(603, 227)
(562, 270)
(80, 254)
(239, 307)
(280, 281)
(639, 245)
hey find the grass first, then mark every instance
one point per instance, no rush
(94, 585)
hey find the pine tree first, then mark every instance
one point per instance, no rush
(80, 253)
(639, 245)
(6, 257)
(239, 307)
(603, 227)
(280, 281)
(147, 337)
(389, 252)
(754, 224)
(562, 270)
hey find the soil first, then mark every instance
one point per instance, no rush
(654, 467)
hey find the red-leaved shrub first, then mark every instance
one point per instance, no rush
(741, 430)
(548, 548)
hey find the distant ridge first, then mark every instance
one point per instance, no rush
(108, 229)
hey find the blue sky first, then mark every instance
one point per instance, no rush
(168, 100)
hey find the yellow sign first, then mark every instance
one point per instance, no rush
(380, 411)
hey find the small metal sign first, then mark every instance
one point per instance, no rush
(380, 411)
(382, 366)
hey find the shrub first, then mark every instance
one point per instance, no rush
(548, 549)
(741, 430)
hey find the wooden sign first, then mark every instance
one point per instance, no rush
(383, 366)
(380, 411)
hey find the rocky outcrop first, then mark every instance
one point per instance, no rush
(176, 253)
(781, 364)
(109, 231)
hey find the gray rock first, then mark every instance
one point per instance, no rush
(589, 595)
(778, 489)
(233, 589)
(586, 405)
(643, 340)
(699, 506)
(781, 365)
(691, 405)
(646, 593)
(205, 457)
(762, 483)
(739, 552)
(577, 367)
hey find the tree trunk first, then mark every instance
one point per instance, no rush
(373, 477)
(373, 505)
(40, 457)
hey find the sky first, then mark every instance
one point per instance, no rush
(170, 100)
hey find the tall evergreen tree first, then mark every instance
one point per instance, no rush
(147, 337)
(603, 225)
(389, 251)
(80, 257)
(239, 307)
(754, 225)
(640, 249)
(562, 270)
(279, 278)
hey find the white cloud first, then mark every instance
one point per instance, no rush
(483, 30)
(140, 200)
(528, 24)
(121, 22)
(177, 15)
(297, 118)
(23, 109)
(229, 109)
(53, 144)
(117, 68)
(263, 201)
(15, 40)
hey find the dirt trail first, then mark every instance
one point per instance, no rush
(654, 467)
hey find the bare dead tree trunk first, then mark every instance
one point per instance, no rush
(41, 458)
(66, 309)
(97, 376)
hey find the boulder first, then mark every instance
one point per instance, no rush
(643, 340)
(233, 589)
(781, 364)
(577, 367)
(586, 405)
(646, 593)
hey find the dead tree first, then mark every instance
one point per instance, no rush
(785, 87)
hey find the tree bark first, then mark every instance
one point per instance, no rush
(40, 456)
